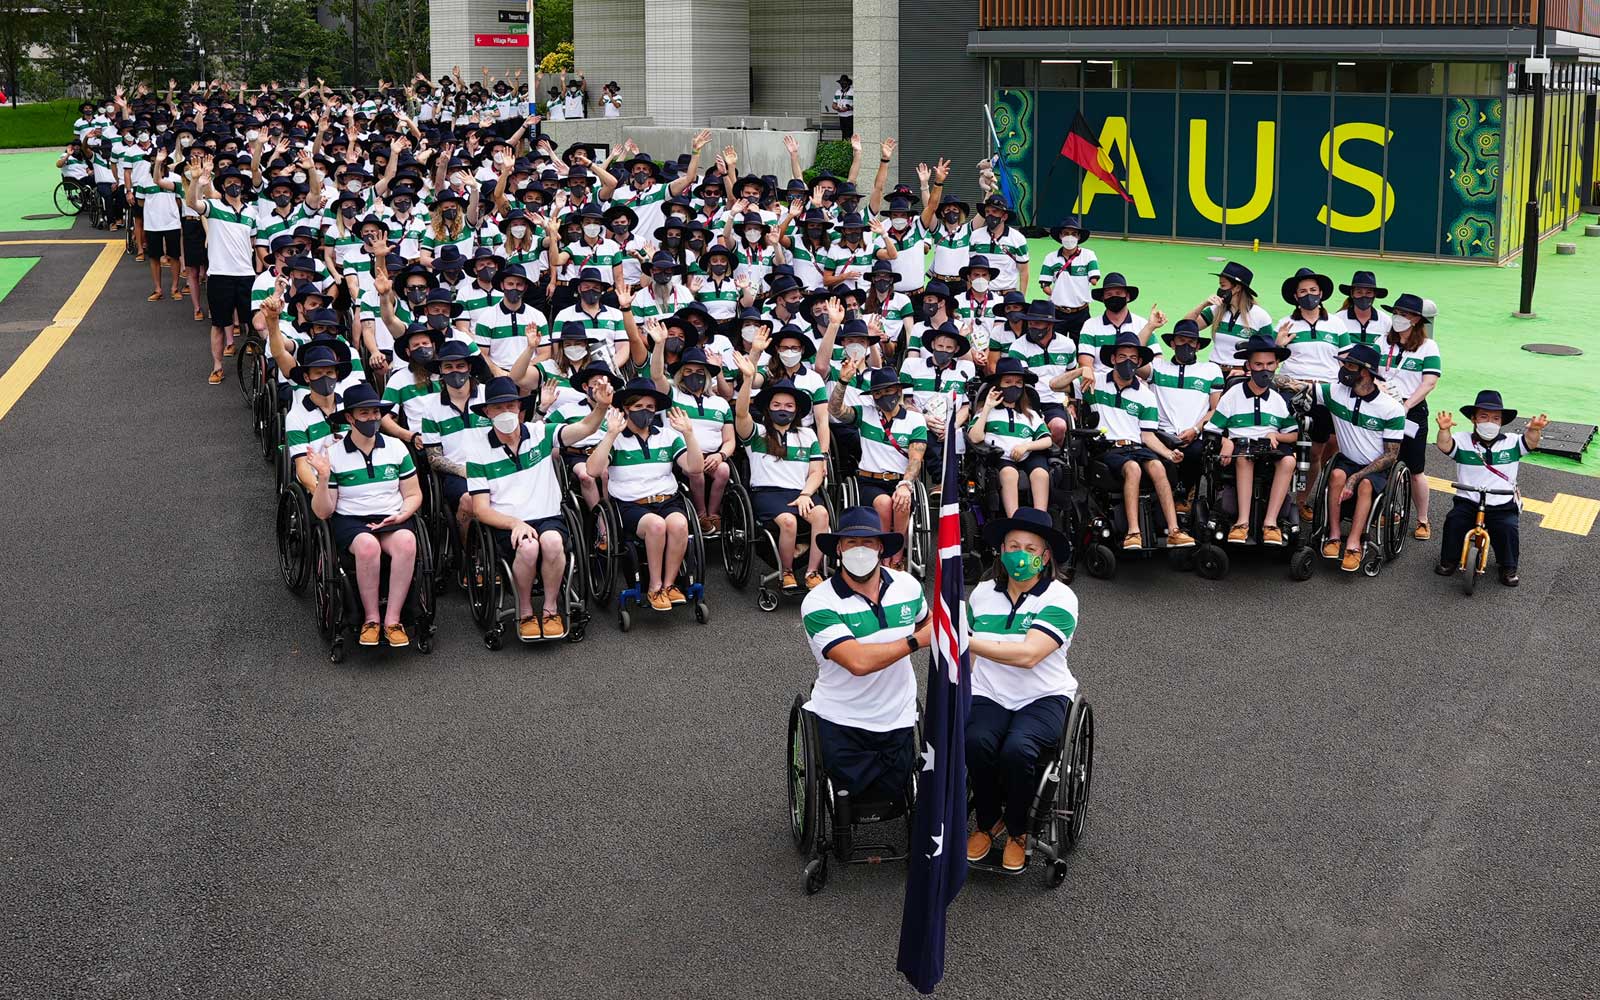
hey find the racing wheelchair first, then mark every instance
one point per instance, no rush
(1061, 801)
(824, 821)
(491, 593)
(333, 575)
(1388, 522)
(627, 562)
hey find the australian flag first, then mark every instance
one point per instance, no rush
(938, 853)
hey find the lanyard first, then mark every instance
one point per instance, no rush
(888, 433)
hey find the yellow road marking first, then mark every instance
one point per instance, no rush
(1573, 515)
(50, 340)
(43, 243)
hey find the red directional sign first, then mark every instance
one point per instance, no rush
(500, 41)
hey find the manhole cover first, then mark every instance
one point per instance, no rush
(1558, 349)
(42, 216)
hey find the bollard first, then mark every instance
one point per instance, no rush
(1566, 249)
(1591, 230)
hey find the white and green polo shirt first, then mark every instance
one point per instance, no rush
(1474, 460)
(1314, 348)
(605, 326)
(810, 263)
(928, 382)
(229, 239)
(1049, 607)
(885, 444)
(911, 255)
(576, 411)
(1402, 369)
(162, 208)
(406, 234)
(1183, 392)
(432, 242)
(1364, 426)
(788, 471)
(1007, 427)
(709, 414)
(1098, 332)
(369, 483)
(1370, 333)
(1246, 416)
(1067, 277)
(648, 205)
(1005, 252)
(721, 298)
(843, 258)
(605, 255)
(521, 481)
(504, 333)
(449, 428)
(1232, 330)
(305, 426)
(952, 249)
(1058, 356)
(643, 468)
(646, 306)
(270, 222)
(474, 296)
(883, 700)
(897, 312)
(403, 391)
(1125, 414)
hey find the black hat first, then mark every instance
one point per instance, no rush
(324, 317)
(460, 350)
(1041, 311)
(1186, 328)
(1114, 280)
(1260, 343)
(488, 254)
(1324, 284)
(402, 343)
(356, 397)
(976, 261)
(664, 261)
(1011, 366)
(997, 201)
(1238, 274)
(641, 388)
(589, 371)
(1408, 302)
(802, 399)
(573, 329)
(778, 283)
(1126, 339)
(616, 212)
(1034, 521)
(950, 200)
(1070, 222)
(853, 328)
(685, 329)
(885, 378)
(693, 356)
(1365, 279)
(808, 347)
(903, 192)
(501, 389)
(861, 522)
(450, 258)
(963, 345)
(1489, 399)
(642, 160)
(592, 211)
(942, 290)
(1364, 355)
(321, 352)
(445, 295)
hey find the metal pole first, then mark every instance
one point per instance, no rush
(355, 42)
(1530, 226)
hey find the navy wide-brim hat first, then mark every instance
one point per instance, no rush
(1324, 284)
(321, 352)
(1011, 366)
(359, 396)
(1146, 354)
(808, 347)
(802, 399)
(860, 522)
(1365, 279)
(641, 388)
(963, 345)
(1186, 328)
(1260, 344)
(1114, 281)
(1034, 521)
(402, 343)
(1238, 274)
(582, 377)
(1407, 301)
(501, 389)
(460, 350)
(1489, 399)
(1364, 355)
(1070, 222)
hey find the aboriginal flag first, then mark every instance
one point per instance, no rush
(1082, 148)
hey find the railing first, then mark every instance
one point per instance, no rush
(1566, 14)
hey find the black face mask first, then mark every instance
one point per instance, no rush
(641, 419)
(1348, 378)
(422, 355)
(589, 296)
(233, 190)
(887, 402)
(883, 288)
(1261, 380)
(322, 386)
(941, 358)
(485, 273)
(349, 211)
(994, 221)
(792, 304)
(367, 427)
(1126, 369)
(814, 233)
(662, 277)
(695, 383)
(282, 200)
(437, 321)
(1225, 294)
(697, 244)
(671, 240)
(450, 214)
(1039, 336)
(674, 345)
(455, 380)
(1185, 354)
(1363, 302)
(402, 205)
(1115, 303)
(512, 296)
(416, 293)
(952, 217)
(780, 418)
(451, 277)
(718, 270)
(1011, 393)
(1310, 300)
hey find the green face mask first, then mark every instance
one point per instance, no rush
(1021, 565)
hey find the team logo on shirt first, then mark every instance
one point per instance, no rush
(1131, 407)
(907, 613)
(391, 473)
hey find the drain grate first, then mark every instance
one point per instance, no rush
(1560, 350)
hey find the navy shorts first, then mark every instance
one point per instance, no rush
(870, 765)
(502, 536)
(1378, 479)
(1031, 461)
(770, 501)
(1054, 411)
(1116, 458)
(346, 527)
(632, 512)
(454, 488)
(871, 489)
(1414, 450)
(164, 243)
(194, 244)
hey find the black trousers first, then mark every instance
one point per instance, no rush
(1003, 753)
(847, 126)
(1502, 523)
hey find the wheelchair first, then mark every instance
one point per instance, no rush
(1106, 521)
(600, 569)
(296, 535)
(490, 586)
(436, 517)
(630, 567)
(1388, 522)
(824, 821)
(743, 540)
(980, 503)
(1061, 801)
(338, 600)
(249, 363)
(74, 197)
(1216, 506)
(845, 490)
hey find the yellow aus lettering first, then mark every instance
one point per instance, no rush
(1342, 170)
(1114, 133)
(1260, 198)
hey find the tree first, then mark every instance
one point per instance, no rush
(105, 43)
(552, 26)
(256, 41)
(19, 26)
(557, 61)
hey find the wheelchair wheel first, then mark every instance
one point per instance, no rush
(1077, 771)
(68, 202)
(920, 544)
(575, 588)
(1398, 529)
(1100, 561)
(424, 607)
(481, 577)
(247, 368)
(1302, 562)
(1211, 562)
(326, 584)
(603, 563)
(803, 791)
(738, 534)
(294, 537)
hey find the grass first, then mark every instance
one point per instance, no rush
(27, 187)
(11, 271)
(1480, 343)
(46, 124)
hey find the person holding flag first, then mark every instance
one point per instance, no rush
(936, 870)
(1021, 623)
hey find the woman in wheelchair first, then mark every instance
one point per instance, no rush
(893, 440)
(1009, 422)
(1252, 410)
(448, 422)
(588, 383)
(306, 424)
(517, 496)
(367, 491)
(1052, 357)
(942, 365)
(694, 376)
(416, 347)
(1021, 622)
(863, 626)
(1128, 416)
(786, 468)
(787, 358)
(1369, 425)
(640, 454)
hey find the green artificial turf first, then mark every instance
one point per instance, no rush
(27, 187)
(11, 271)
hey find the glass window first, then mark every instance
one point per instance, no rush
(1155, 74)
(1198, 75)
(1105, 74)
(1013, 72)
(1476, 79)
(1361, 77)
(1417, 78)
(1308, 78)
(1254, 75)
(1060, 74)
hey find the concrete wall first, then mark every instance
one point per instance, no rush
(875, 48)
(697, 59)
(760, 152)
(451, 27)
(608, 39)
(787, 54)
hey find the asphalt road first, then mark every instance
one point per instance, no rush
(1343, 788)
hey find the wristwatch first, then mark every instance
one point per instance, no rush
(912, 644)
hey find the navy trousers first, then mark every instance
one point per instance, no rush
(1501, 522)
(1003, 752)
(871, 766)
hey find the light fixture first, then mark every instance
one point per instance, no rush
(1238, 62)
(1346, 64)
(1101, 62)
(1061, 62)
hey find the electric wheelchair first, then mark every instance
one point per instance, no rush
(1216, 506)
(980, 503)
(1105, 518)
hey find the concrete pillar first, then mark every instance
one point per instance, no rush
(452, 27)
(608, 44)
(875, 52)
(697, 60)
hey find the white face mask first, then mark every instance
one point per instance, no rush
(859, 561)
(299, 177)
(1069, 242)
(185, 141)
(354, 187)
(505, 423)
(1400, 324)
(750, 331)
(575, 352)
(752, 235)
(899, 225)
(591, 230)
(250, 136)
(855, 352)
(979, 285)
(518, 232)
(1487, 429)
(789, 358)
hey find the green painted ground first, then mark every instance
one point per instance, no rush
(1479, 342)
(11, 271)
(27, 187)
